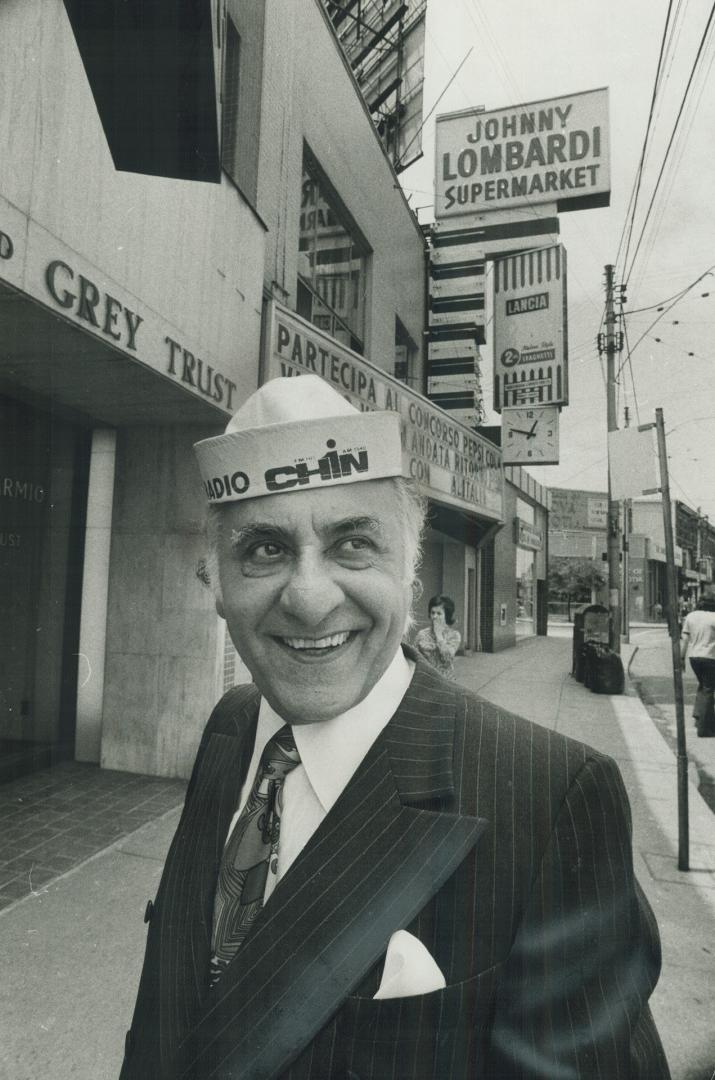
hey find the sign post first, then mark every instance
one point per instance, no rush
(682, 754)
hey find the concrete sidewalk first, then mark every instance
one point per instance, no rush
(533, 679)
(72, 950)
(651, 670)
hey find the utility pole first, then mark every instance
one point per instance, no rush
(682, 755)
(626, 554)
(614, 538)
(698, 549)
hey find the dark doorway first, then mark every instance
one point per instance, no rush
(43, 489)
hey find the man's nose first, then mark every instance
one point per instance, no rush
(311, 592)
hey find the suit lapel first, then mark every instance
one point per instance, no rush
(367, 871)
(187, 893)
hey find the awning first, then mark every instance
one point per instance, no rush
(46, 358)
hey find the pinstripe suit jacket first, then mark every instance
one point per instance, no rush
(503, 846)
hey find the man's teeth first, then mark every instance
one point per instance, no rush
(317, 643)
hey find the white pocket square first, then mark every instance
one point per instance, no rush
(409, 969)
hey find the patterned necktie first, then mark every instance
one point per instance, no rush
(251, 853)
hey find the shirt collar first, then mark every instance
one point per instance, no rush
(331, 750)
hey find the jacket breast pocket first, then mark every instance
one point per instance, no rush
(437, 1036)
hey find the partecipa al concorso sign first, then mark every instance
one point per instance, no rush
(453, 464)
(554, 151)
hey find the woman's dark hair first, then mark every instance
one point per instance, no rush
(447, 603)
(705, 603)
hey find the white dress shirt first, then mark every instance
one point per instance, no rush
(330, 752)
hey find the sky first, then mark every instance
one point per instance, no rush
(524, 51)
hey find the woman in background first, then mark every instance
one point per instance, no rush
(438, 643)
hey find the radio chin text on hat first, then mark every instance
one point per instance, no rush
(332, 466)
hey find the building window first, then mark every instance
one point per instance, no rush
(231, 91)
(241, 87)
(332, 262)
(405, 356)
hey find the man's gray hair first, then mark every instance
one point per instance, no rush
(411, 506)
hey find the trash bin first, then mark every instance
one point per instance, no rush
(603, 669)
(590, 623)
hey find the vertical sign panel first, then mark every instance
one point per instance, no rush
(530, 340)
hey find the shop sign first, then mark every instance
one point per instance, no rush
(597, 513)
(527, 535)
(635, 576)
(530, 318)
(547, 151)
(82, 297)
(52, 273)
(452, 464)
(656, 552)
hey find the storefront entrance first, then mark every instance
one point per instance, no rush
(525, 593)
(43, 471)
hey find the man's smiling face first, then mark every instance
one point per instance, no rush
(316, 593)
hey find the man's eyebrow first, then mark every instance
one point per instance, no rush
(256, 529)
(356, 523)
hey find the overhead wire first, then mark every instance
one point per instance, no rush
(660, 79)
(681, 489)
(671, 52)
(671, 140)
(679, 146)
(668, 308)
(675, 296)
(639, 172)
(427, 116)
(630, 367)
(690, 353)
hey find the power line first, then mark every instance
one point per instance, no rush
(639, 172)
(675, 296)
(426, 118)
(671, 140)
(690, 420)
(679, 149)
(681, 489)
(679, 297)
(662, 76)
(630, 367)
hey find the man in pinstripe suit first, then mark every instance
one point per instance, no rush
(422, 828)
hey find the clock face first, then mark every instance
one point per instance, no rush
(530, 435)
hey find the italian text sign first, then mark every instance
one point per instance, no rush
(452, 464)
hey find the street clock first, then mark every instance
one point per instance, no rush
(530, 435)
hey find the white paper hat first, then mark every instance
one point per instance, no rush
(295, 434)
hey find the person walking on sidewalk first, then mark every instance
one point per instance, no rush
(698, 638)
(376, 874)
(438, 643)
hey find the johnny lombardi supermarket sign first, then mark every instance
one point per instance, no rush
(548, 151)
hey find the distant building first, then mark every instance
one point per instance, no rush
(578, 531)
